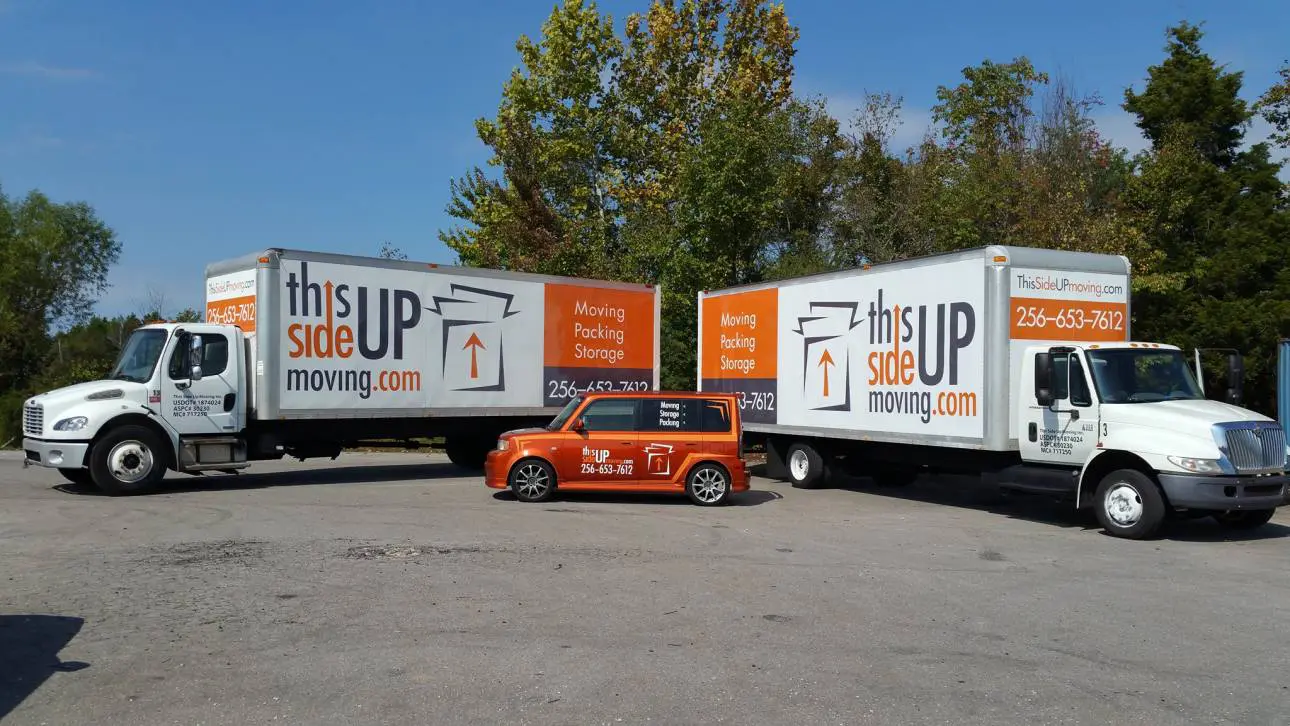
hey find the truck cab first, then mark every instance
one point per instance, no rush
(176, 399)
(1120, 418)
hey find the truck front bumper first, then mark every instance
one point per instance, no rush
(1224, 493)
(55, 454)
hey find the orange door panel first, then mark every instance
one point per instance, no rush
(605, 452)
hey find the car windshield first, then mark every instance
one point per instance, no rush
(139, 358)
(565, 413)
(1136, 375)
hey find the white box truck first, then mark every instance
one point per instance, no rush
(305, 354)
(1012, 363)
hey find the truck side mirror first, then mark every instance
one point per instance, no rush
(1044, 379)
(195, 353)
(1235, 378)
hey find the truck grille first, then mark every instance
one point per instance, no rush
(1255, 448)
(33, 419)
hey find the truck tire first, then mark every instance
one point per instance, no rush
(128, 460)
(806, 468)
(532, 480)
(1129, 504)
(708, 485)
(468, 452)
(79, 477)
(1245, 519)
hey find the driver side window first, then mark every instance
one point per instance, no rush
(214, 358)
(610, 414)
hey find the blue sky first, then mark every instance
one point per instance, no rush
(202, 131)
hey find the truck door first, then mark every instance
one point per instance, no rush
(208, 405)
(1064, 432)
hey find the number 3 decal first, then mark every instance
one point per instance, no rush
(1104, 429)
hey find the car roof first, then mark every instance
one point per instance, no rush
(657, 394)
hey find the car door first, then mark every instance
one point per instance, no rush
(605, 452)
(669, 437)
(208, 405)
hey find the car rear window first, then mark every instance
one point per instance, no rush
(694, 415)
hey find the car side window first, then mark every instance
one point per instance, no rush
(669, 414)
(610, 414)
(715, 416)
(214, 358)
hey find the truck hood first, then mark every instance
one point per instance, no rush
(62, 398)
(1193, 417)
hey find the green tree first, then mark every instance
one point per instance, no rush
(1216, 213)
(54, 260)
(1274, 106)
(1191, 96)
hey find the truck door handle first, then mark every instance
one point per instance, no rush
(1034, 432)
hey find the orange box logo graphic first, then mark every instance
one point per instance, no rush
(740, 335)
(594, 327)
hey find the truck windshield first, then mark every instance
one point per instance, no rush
(140, 356)
(564, 414)
(1142, 375)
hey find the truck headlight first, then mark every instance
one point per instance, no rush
(503, 444)
(1199, 466)
(75, 423)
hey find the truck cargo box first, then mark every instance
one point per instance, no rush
(333, 336)
(920, 351)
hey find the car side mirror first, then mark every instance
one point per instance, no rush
(1044, 379)
(579, 425)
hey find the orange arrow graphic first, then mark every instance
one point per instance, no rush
(475, 344)
(826, 360)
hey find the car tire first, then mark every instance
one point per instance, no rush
(79, 477)
(806, 468)
(128, 460)
(1129, 504)
(708, 485)
(532, 480)
(1243, 519)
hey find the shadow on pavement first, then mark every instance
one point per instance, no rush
(178, 483)
(751, 498)
(29, 646)
(970, 493)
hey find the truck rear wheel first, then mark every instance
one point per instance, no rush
(128, 460)
(1247, 519)
(468, 452)
(806, 468)
(1129, 504)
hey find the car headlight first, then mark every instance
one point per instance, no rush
(503, 444)
(75, 423)
(1199, 466)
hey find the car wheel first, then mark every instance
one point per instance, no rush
(806, 468)
(1247, 519)
(708, 485)
(532, 480)
(128, 460)
(1129, 504)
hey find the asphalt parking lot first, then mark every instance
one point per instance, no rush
(391, 589)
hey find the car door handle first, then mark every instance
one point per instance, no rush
(627, 443)
(691, 443)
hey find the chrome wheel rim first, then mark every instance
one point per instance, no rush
(709, 485)
(1124, 505)
(532, 480)
(799, 464)
(130, 461)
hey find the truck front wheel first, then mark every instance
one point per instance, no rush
(79, 477)
(1247, 519)
(806, 468)
(128, 460)
(1129, 504)
(468, 452)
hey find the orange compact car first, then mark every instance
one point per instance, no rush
(628, 442)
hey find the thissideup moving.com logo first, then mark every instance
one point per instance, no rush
(1073, 286)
